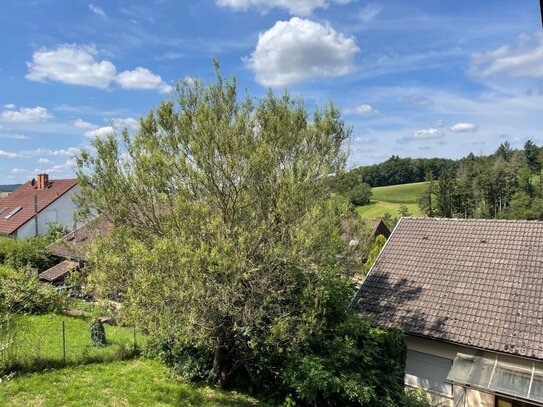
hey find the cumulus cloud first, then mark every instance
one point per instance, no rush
(524, 59)
(128, 122)
(464, 128)
(295, 7)
(9, 106)
(142, 78)
(78, 65)
(43, 160)
(364, 110)
(7, 154)
(300, 49)
(427, 133)
(72, 64)
(68, 152)
(97, 10)
(82, 124)
(100, 132)
(25, 115)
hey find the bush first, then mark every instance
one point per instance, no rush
(26, 253)
(98, 333)
(22, 292)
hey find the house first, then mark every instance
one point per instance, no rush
(73, 248)
(469, 296)
(31, 208)
(351, 230)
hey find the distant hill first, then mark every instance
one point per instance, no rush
(9, 188)
(389, 198)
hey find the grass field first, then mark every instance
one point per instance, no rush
(388, 199)
(37, 342)
(127, 383)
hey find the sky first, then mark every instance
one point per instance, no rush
(418, 78)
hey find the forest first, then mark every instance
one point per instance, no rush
(505, 184)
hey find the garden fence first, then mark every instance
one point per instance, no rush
(33, 343)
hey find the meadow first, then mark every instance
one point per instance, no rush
(389, 198)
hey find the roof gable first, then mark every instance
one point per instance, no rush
(23, 198)
(473, 282)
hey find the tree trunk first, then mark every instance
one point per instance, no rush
(221, 364)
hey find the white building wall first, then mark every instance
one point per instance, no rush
(472, 397)
(60, 212)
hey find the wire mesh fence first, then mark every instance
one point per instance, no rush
(37, 342)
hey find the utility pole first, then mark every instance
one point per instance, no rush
(36, 212)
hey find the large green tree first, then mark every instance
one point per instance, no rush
(226, 235)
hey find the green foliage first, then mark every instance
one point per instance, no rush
(350, 185)
(227, 238)
(375, 248)
(97, 333)
(426, 200)
(30, 252)
(403, 211)
(22, 292)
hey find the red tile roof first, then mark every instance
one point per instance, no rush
(23, 197)
(477, 283)
(58, 272)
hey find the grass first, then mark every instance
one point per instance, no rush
(388, 199)
(404, 193)
(377, 209)
(37, 343)
(127, 383)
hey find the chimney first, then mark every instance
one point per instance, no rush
(43, 181)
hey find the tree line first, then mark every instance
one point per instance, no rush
(505, 185)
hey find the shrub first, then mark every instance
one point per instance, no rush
(23, 293)
(98, 333)
(26, 253)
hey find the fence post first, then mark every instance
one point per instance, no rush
(134, 332)
(64, 342)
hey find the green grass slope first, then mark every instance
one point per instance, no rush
(388, 199)
(116, 384)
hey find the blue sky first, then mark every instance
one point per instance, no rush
(413, 78)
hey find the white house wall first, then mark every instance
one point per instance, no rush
(64, 208)
(473, 398)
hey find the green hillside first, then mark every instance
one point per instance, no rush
(388, 199)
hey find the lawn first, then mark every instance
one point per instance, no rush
(377, 209)
(37, 342)
(124, 383)
(388, 199)
(404, 193)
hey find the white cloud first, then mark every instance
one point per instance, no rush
(363, 110)
(464, 128)
(97, 10)
(524, 59)
(68, 152)
(369, 12)
(7, 154)
(128, 122)
(11, 136)
(82, 124)
(10, 106)
(20, 171)
(295, 7)
(299, 49)
(427, 133)
(72, 64)
(26, 114)
(100, 132)
(142, 78)
(77, 65)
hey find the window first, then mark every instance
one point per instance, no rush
(428, 372)
(13, 212)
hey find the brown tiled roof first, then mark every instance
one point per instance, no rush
(75, 244)
(57, 272)
(23, 197)
(472, 282)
